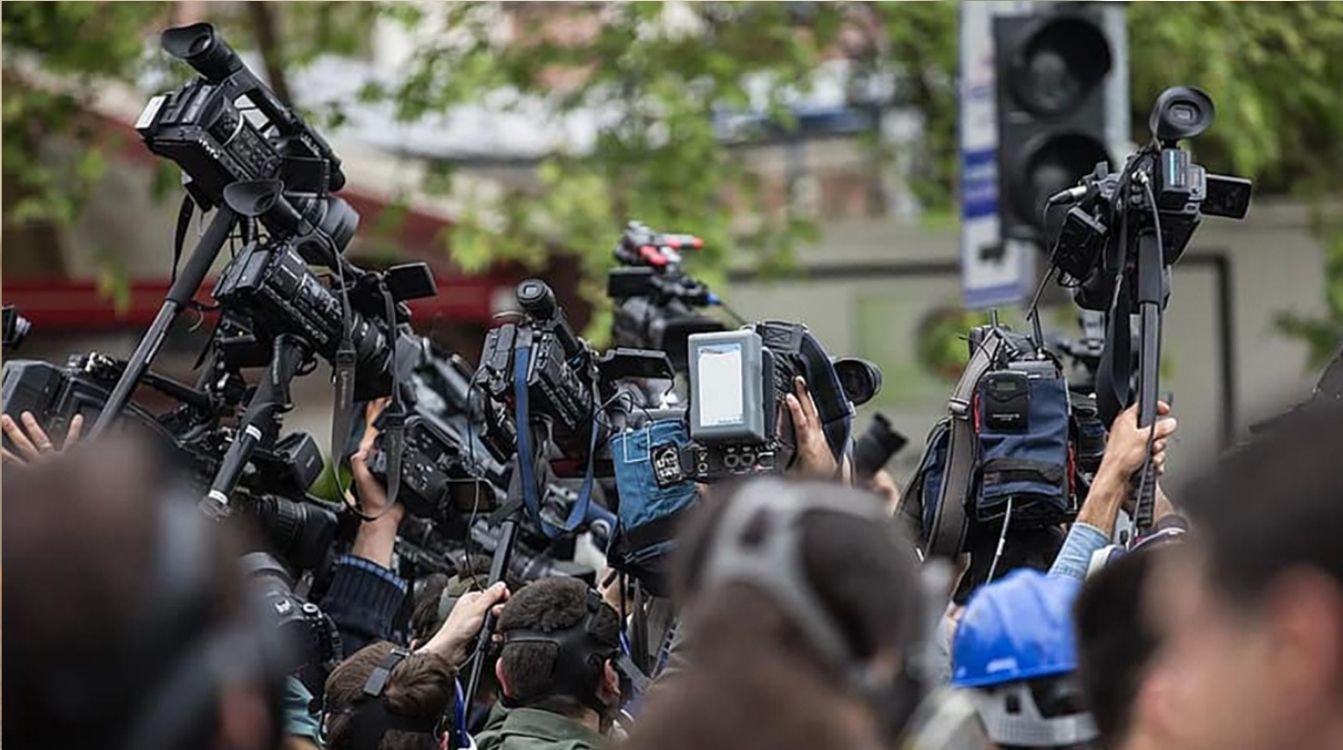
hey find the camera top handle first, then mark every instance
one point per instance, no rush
(204, 50)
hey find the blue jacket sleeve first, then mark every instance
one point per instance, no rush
(1075, 556)
(363, 599)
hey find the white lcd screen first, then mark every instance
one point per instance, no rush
(718, 372)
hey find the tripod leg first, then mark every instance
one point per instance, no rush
(270, 399)
(193, 273)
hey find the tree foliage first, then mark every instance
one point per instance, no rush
(652, 82)
(657, 74)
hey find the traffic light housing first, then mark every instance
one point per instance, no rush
(1052, 70)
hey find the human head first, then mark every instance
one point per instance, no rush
(1255, 613)
(534, 668)
(419, 687)
(808, 573)
(1118, 644)
(1014, 647)
(1033, 549)
(126, 619)
(427, 614)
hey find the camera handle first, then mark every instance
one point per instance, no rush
(1150, 295)
(259, 421)
(179, 295)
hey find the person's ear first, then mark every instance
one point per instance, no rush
(609, 690)
(1154, 708)
(503, 680)
(1305, 620)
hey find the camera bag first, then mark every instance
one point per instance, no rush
(1001, 452)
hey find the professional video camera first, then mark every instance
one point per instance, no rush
(540, 368)
(296, 528)
(1118, 241)
(270, 287)
(246, 154)
(739, 379)
(1160, 194)
(443, 446)
(656, 301)
(228, 127)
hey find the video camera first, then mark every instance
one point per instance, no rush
(443, 445)
(228, 127)
(739, 423)
(656, 301)
(540, 367)
(1119, 239)
(1160, 192)
(296, 528)
(268, 289)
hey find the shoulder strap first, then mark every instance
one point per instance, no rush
(946, 536)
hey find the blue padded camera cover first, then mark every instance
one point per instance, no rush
(1028, 465)
(654, 492)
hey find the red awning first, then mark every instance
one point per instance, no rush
(62, 304)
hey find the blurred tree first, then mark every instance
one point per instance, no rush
(653, 76)
(84, 43)
(1276, 74)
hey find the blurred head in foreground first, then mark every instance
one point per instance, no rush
(1252, 613)
(801, 600)
(125, 621)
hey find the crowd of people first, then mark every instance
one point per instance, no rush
(805, 618)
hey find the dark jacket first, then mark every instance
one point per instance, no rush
(536, 729)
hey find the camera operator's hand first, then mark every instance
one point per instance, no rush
(31, 440)
(883, 485)
(377, 537)
(1125, 453)
(464, 622)
(1126, 446)
(814, 458)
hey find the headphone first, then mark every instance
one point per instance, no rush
(370, 717)
(580, 656)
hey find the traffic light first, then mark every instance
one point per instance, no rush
(1052, 70)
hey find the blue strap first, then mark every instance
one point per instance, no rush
(584, 510)
(522, 413)
(461, 736)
